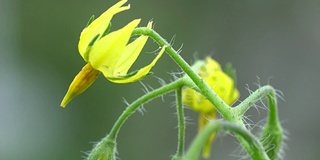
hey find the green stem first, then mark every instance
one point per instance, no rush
(137, 103)
(224, 109)
(181, 122)
(107, 144)
(273, 108)
(242, 108)
(256, 151)
(272, 133)
(104, 150)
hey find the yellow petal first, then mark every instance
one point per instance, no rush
(223, 85)
(130, 54)
(212, 64)
(140, 74)
(203, 120)
(98, 26)
(105, 53)
(80, 83)
(197, 101)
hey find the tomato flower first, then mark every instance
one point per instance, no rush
(109, 53)
(222, 84)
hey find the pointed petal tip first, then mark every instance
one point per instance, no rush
(119, 5)
(62, 105)
(150, 24)
(66, 99)
(136, 21)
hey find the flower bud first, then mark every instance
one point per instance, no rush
(222, 84)
(80, 83)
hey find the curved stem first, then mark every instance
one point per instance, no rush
(242, 108)
(221, 106)
(272, 133)
(105, 149)
(137, 103)
(230, 114)
(256, 150)
(181, 122)
(273, 108)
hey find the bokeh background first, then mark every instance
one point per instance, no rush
(268, 42)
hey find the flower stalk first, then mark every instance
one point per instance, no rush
(256, 149)
(272, 133)
(230, 114)
(132, 108)
(224, 109)
(181, 124)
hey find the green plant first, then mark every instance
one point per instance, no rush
(205, 87)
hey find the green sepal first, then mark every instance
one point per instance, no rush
(272, 140)
(93, 40)
(124, 76)
(107, 30)
(90, 20)
(272, 134)
(149, 73)
(86, 55)
(231, 72)
(128, 75)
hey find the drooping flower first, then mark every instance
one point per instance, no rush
(222, 84)
(97, 28)
(109, 53)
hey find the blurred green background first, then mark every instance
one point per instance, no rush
(269, 42)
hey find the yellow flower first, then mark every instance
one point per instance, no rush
(98, 27)
(111, 54)
(222, 84)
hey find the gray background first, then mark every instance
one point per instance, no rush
(269, 42)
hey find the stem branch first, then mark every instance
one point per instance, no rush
(256, 149)
(221, 106)
(106, 147)
(265, 91)
(137, 103)
(181, 122)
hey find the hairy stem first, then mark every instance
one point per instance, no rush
(256, 151)
(103, 146)
(181, 122)
(229, 113)
(264, 91)
(272, 133)
(205, 89)
(137, 103)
